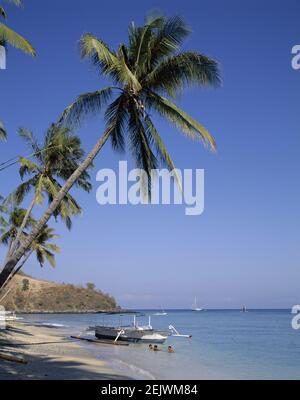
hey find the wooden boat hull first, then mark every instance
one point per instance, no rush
(130, 335)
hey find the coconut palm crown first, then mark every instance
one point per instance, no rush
(52, 163)
(147, 74)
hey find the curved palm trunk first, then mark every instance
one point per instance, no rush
(20, 230)
(13, 273)
(20, 252)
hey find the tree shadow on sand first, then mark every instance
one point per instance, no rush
(52, 368)
(43, 367)
(10, 330)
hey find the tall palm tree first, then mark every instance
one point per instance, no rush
(7, 35)
(147, 73)
(52, 163)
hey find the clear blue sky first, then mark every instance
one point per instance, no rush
(244, 249)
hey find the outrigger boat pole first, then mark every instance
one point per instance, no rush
(177, 334)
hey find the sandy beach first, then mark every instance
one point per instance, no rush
(49, 355)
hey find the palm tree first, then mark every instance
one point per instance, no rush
(147, 73)
(43, 250)
(9, 227)
(42, 246)
(7, 35)
(54, 161)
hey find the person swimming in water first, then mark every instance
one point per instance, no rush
(150, 347)
(156, 348)
(170, 349)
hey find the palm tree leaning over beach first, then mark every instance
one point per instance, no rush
(147, 73)
(10, 224)
(8, 36)
(42, 246)
(49, 166)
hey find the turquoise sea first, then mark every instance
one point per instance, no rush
(225, 344)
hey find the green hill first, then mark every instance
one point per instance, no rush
(27, 294)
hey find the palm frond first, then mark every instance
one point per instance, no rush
(84, 105)
(184, 69)
(43, 249)
(40, 257)
(181, 119)
(49, 257)
(168, 39)
(68, 207)
(18, 195)
(116, 118)
(29, 138)
(53, 247)
(39, 190)
(7, 35)
(100, 54)
(140, 146)
(162, 151)
(126, 76)
(139, 39)
(27, 167)
(5, 237)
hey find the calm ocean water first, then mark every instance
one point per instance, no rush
(226, 344)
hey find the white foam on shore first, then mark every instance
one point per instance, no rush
(50, 325)
(138, 373)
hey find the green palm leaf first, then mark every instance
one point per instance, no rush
(27, 167)
(182, 120)
(116, 119)
(167, 40)
(99, 53)
(7, 35)
(140, 146)
(86, 104)
(184, 69)
(162, 151)
(139, 42)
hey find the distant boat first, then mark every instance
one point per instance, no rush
(244, 309)
(195, 306)
(162, 312)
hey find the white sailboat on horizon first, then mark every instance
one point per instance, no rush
(162, 312)
(195, 306)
